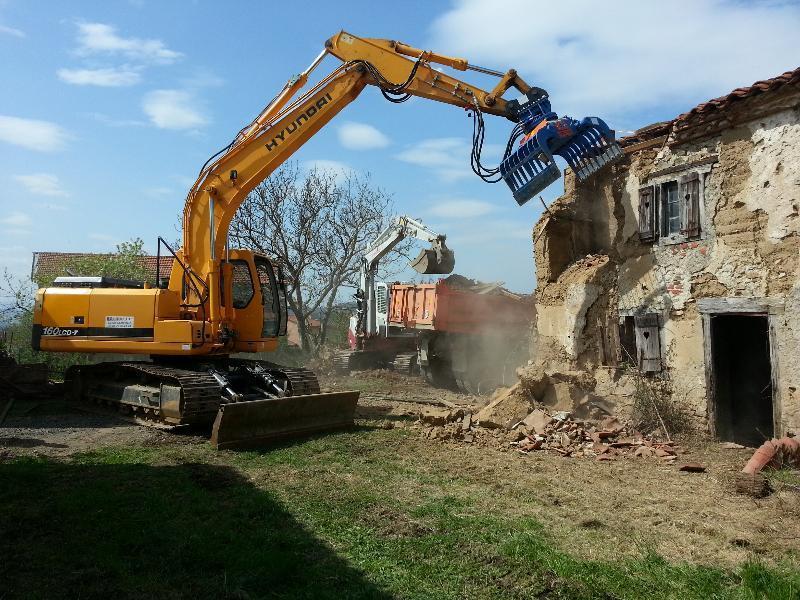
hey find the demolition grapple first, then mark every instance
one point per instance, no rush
(587, 145)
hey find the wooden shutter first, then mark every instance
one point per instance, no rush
(690, 199)
(647, 214)
(648, 343)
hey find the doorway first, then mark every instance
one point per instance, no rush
(742, 376)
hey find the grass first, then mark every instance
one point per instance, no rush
(324, 518)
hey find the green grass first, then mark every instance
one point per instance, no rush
(325, 518)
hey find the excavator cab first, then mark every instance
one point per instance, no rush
(436, 260)
(586, 145)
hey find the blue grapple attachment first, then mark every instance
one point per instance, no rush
(586, 145)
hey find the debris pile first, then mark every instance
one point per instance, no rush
(527, 429)
(605, 441)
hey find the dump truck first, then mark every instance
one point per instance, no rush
(457, 333)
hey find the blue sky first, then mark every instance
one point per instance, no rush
(109, 109)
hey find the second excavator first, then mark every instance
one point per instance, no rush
(221, 301)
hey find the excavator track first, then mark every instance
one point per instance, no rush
(166, 395)
(405, 363)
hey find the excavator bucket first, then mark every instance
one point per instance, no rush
(587, 146)
(261, 422)
(438, 260)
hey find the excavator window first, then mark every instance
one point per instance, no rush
(270, 298)
(242, 284)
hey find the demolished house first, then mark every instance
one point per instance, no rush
(680, 263)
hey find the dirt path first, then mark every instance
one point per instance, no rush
(54, 428)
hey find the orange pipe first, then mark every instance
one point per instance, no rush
(773, 453)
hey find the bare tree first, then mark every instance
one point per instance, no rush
(317, 224)
(16, 297)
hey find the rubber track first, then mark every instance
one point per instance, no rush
(200, 391)
(201, 394)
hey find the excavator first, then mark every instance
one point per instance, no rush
(220, 301)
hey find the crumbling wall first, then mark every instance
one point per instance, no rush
(749, 248)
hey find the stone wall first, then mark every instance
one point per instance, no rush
(749, 248)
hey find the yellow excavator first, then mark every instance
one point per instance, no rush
(221, 301)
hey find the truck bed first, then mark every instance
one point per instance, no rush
(440, 307)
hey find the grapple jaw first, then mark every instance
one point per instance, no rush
(587, 146)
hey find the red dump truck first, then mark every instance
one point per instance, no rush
(456, 332)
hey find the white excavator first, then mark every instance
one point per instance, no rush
(373, 341)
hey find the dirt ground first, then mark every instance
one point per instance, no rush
(595, 509)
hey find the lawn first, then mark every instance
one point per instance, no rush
(350, 515)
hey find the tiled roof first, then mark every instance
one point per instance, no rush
(708, 109)
(711, 115)
(47, 265)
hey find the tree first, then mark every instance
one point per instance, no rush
(317, 225)
(126, 263)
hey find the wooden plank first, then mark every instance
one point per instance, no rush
(777, 406)
(684, 167)
(741, 305)
(647, 212)
(708, 353)
(644, 145)
(648, 343)
(690, 205)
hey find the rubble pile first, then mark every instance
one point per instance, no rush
(607, 440)
(557, 432)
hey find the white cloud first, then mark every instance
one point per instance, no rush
(447, 157)
(16, 219)
(32, 134)
(111, 77)
(461, 209)
(360, 136)
(627, 54)
(41, 184)
(100, 38)
(173, 109)
(5, 29)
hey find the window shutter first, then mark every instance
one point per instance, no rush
(690, 197)
(647, 214)
(648, 343)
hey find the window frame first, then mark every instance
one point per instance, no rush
(233, 262)
(656, 187)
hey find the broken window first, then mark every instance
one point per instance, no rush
(627, 340)
(671, 209)
(671, 223)
(648, 342)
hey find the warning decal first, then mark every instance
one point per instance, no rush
(119, 322)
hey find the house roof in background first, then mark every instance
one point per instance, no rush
(48, 265)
